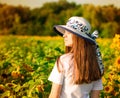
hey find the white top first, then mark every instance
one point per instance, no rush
(69, 89)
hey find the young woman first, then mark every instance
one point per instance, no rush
(76, 73)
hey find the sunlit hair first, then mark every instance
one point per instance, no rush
(85, 61)
(86, 68)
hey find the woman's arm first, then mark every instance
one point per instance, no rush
(55, 91)
(95, 94)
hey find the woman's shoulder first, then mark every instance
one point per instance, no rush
(66, 60)
(66, 57)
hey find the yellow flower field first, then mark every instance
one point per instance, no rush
(111, 79)
(26, 62)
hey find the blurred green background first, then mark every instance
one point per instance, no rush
(22, 20)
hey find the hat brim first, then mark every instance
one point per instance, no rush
(60, 29)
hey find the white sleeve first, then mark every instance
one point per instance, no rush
(97, 85)
(56, 76)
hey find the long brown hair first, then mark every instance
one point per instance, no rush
(85, 61)
(86, 67)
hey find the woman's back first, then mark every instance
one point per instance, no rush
(69, 88)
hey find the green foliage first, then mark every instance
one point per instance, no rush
(25, 64)
(109, 29)
(39, 21)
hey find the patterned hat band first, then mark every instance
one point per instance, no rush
(78, 26)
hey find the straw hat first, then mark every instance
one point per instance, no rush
(76, 25)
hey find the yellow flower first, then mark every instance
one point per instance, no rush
(111, 82)
(110, 67)
(2, 88)
(108, 89)
(117, 63)
(116, 77)
(116, 42)
(104, 80)
(111, 76)
(118, 60)
(117, 53)
(116, 93)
